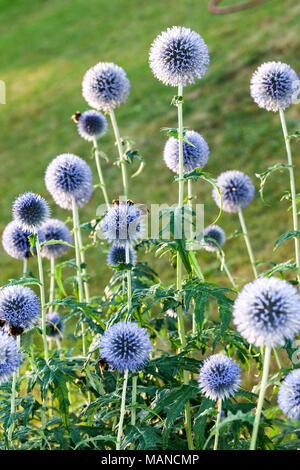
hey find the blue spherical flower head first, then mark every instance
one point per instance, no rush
(68, 177)
(30, 211)
(274, 86)
(105, 86)
(122, 224)
(91, 125)
(219, 377)
(19, 306)
(178, 56)
(10, 356)
(289, 395)
(267, 312)
(16, 243)
(236, 189)
(125, 346)
(117, 254)
(55, 325)
(195, 153)
(55, 229)
(214, 238)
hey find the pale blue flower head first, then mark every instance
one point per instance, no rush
(91, 125)
(195, 153)
(19, 306)
(274, 86)
(30, 211)
(125, 346)
(117, 254)
(105, 86)
(55, 229)
(214, 238)
(16, 243)
(68, 177)
(236, 189)
(267, 312)
(122, 224)
(55, 325)
(289, 395)
(10, 356)
(219, 377)
(178, 56)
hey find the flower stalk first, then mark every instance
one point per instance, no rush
(122, 411)
(247, 241)
(99, 171)
(121, 153)
(218, 424)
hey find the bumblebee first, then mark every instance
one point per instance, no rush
(76, 116)
(2, 322)
(16, 330)
(103, 365)
(117, 202)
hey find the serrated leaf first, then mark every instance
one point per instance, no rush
(265, 175)
(286, 236)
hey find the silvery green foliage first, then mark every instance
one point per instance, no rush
(236, 189)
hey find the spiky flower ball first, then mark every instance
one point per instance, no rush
(91, 125)
(274, 86)
(19, 306)
(236, 189)
(68, 177)
(16, 243)
(214, 237)
(122, 224)
(10, 356)
(195, 153)
(30, 211)
(178, 56)
(219, 377)
(55, 229)
(289, 395)
(117, 254)
(267, 312)
(125, 346)
(55, 325)
(105, 86)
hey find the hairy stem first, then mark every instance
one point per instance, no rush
(52, 283)
(247, 241)
(121, 153)
(42, 295)
(226, 269)
(13, 399)
(133, 403)
(129, 288)
(122, 411)
(218, 424)
(100, 174)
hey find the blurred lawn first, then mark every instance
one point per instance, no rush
(46, 47)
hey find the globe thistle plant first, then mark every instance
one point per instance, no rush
(91, 125)
(30, 211)
(16, 243)
(267, 312)
(117, 254)
(105, 86)
(274, 86)
(19, 306)
(219, 377)
(10, 356)
(55, 229)
(289, 395)
(236, 189)
(68, 177)
(55, 325)
(195, 152)
(122, 224)
(178, 56)
(214, 237)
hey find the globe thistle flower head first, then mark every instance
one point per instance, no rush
(68, 177)
(267, 312)
(16, 243)
(214, 238)
(125, 346)
(117, 254)
(195, 152)
(178, 56)
(289, 395)
(219, 377)
(55, 325)
(10, 356)
(55, 229)
(19, 306)
(30, 211)
(236, 189)
(122, 224)
(274, 86)
(105, 86)
(91, 125)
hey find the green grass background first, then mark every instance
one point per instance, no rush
(45, 49)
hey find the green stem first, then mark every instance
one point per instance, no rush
(226, 269)
(13, 399)
(25, 262)
(129, 287)
(122, 411)
(52, 282)
(262, 392)
(42, 294)
(100, 174)
(82, 258)
(121, 153)
(293, 189)
(247, 241)
(218, 424)
(133, 402)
